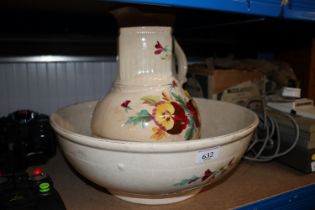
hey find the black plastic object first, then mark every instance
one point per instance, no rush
(26, 139)
(21, 191)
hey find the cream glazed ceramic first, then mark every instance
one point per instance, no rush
(156, 172)
(147, 102)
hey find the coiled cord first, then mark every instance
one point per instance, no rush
(270, 128)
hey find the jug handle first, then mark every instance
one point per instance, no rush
(182, 63)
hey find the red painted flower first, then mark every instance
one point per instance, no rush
(158, 48)
(194, 112)
(174, 84)
(180, 119)
(125, 105)
(161, 50)
(206, 175)
(231, 162)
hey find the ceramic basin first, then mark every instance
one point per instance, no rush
(156, 172)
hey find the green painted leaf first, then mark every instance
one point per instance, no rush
(166, 48)
(187, 181)
(190, 130)
(189, 133)
(142, 118)
(127, 109)
(151, 100)
(179, 99)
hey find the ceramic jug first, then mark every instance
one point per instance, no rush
(147, 102)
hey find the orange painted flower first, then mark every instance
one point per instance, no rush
(166, 97)
(158, 133)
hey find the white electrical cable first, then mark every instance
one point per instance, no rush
(270, 127)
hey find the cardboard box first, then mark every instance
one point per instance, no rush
(230, 85)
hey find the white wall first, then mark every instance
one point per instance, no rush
(47, 86)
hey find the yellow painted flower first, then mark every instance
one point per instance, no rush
(163, 115)
(170, 117)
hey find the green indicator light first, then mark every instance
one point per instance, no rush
(44, 187)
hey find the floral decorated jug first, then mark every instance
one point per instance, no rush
(147, 102)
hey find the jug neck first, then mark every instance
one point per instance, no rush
(145, 55)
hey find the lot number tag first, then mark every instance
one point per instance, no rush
(209, 154)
